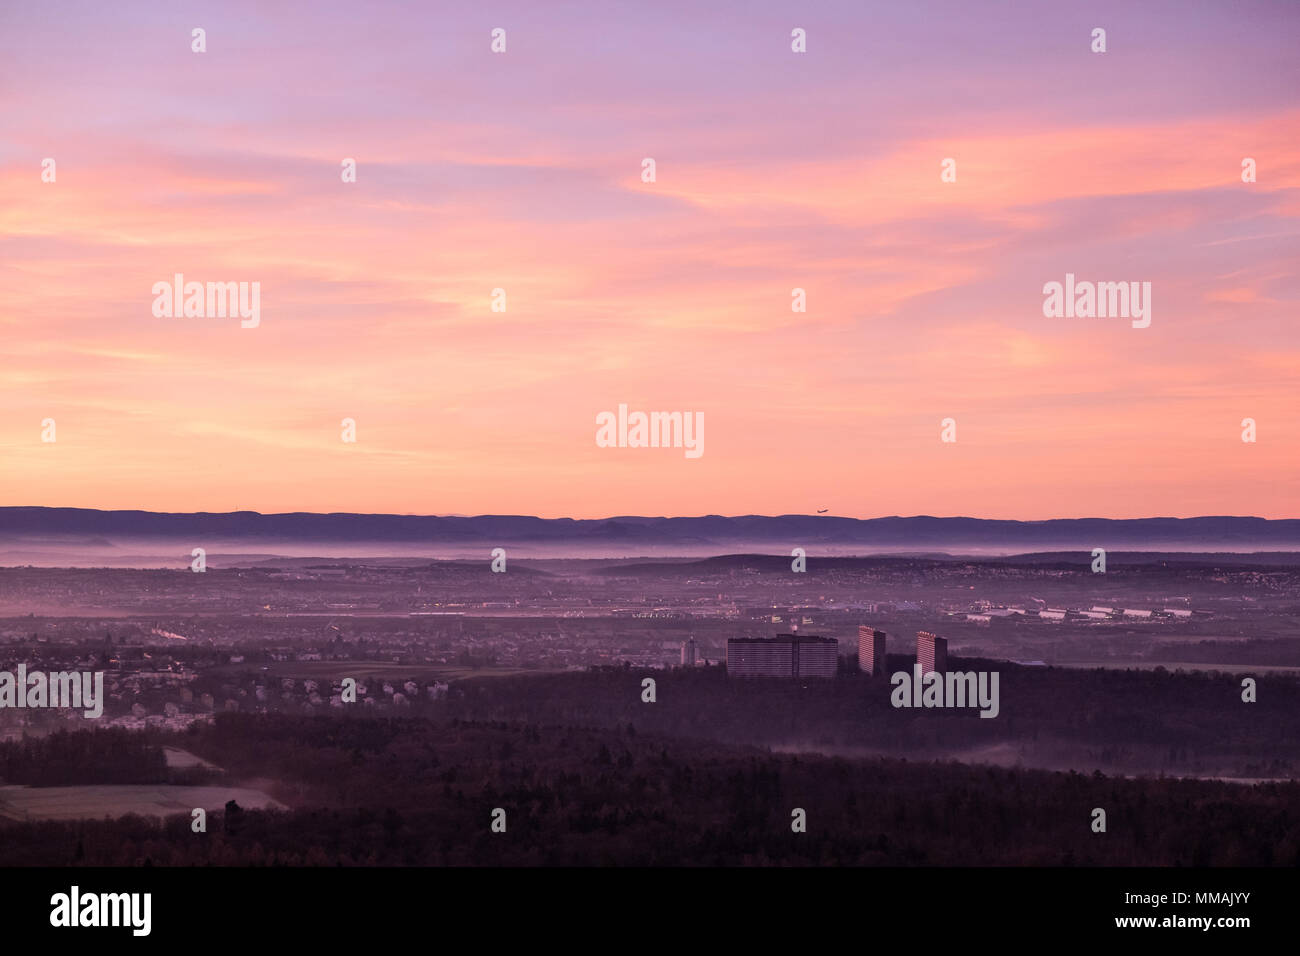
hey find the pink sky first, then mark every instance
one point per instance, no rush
(775, 170)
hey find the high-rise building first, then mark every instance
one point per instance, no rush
(871, 650)
(689, 653)
(931, 652)
(759, 657)
(815, 656)
(786, 655)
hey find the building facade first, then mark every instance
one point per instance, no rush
(816, 656)
(786, 655)
(871, 650)
(931, 652)
(690, 653)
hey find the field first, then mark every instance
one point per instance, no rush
(97, 802)
(178, 759)
(1188, 666)
(369, 670)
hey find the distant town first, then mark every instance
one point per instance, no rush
(178, 647)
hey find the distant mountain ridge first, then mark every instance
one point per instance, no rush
(1204, 533)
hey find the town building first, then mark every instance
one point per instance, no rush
(786, 655)
(931, 652)
(690, 653)
(871, 650)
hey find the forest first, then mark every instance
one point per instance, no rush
(1117, 721)
(416, 791)
(111, 755)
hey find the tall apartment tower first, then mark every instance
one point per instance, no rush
(931, 652)
(690, 653)
(871, 650)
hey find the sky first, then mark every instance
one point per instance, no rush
(774, 170)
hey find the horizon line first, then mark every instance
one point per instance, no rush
(616, 517)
